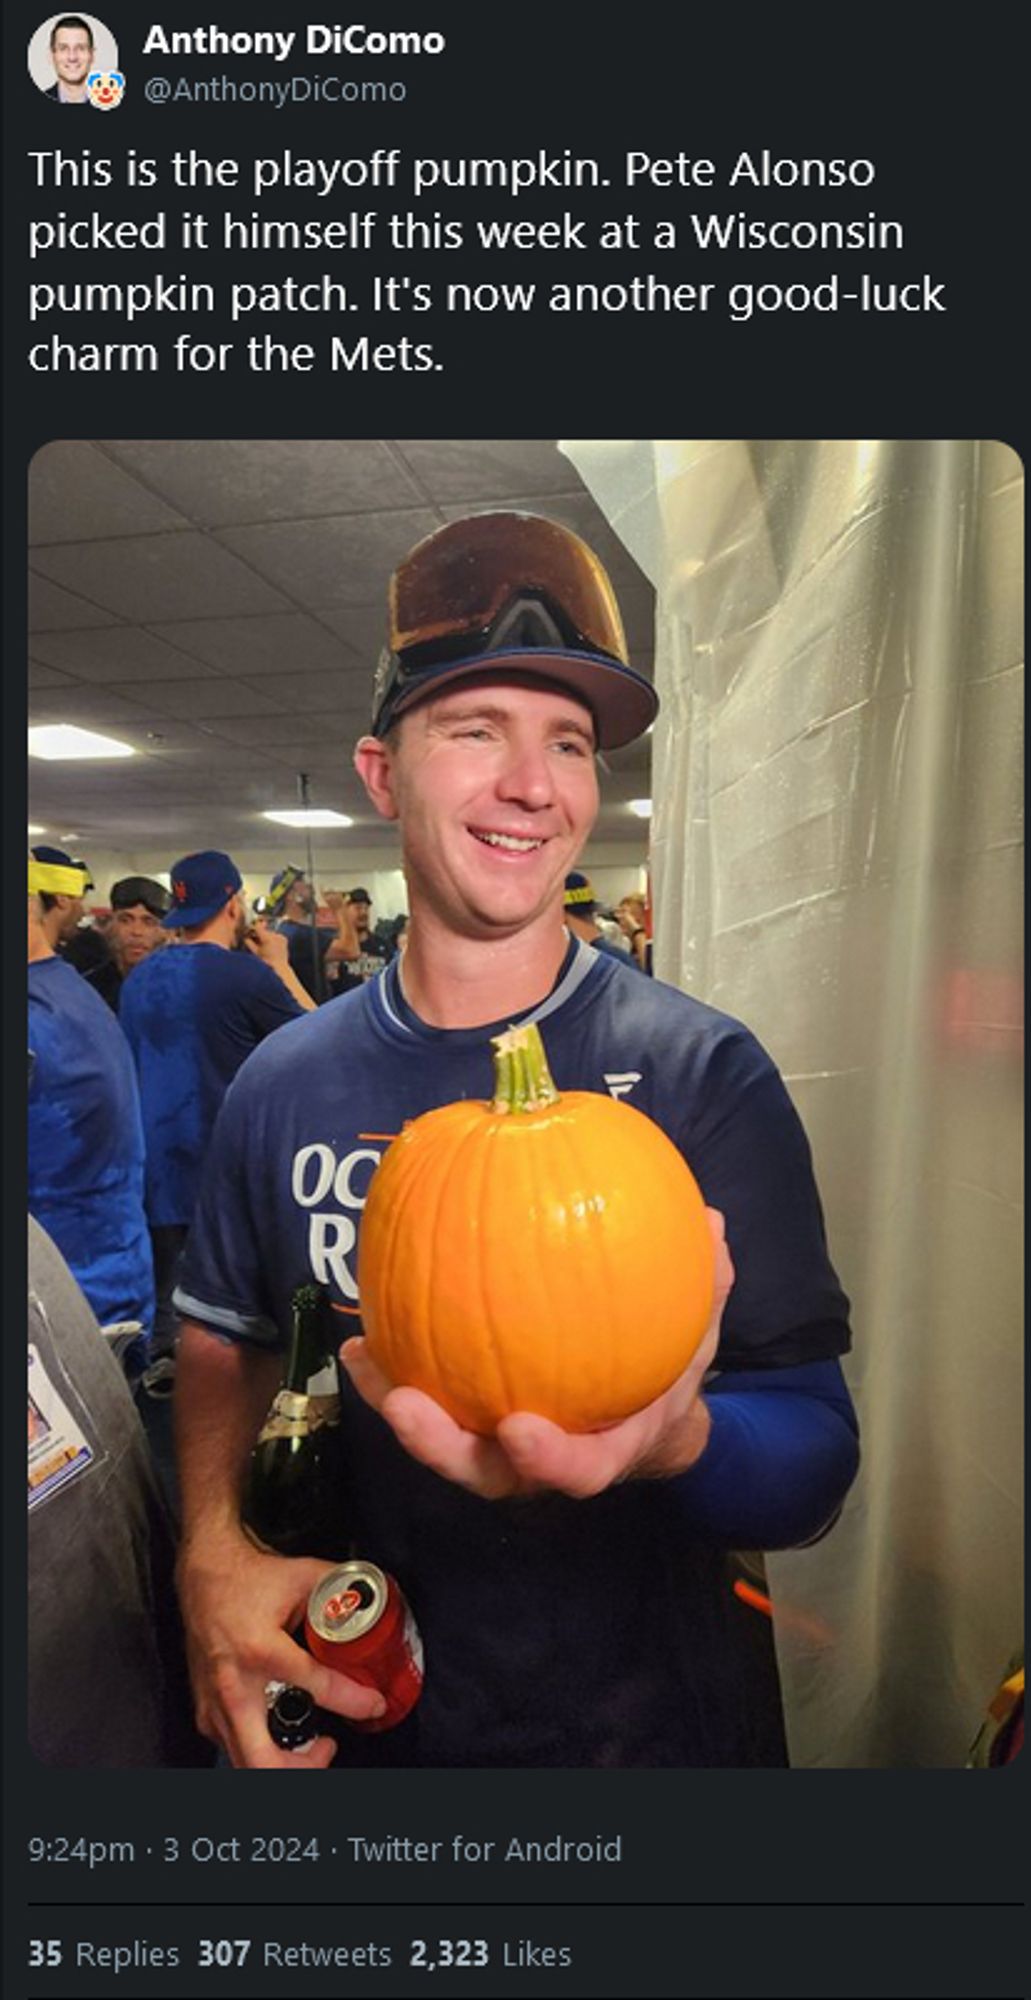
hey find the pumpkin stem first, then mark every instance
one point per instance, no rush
(522, 1080)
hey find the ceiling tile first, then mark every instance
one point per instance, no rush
(346, 560)
(280, 643)
(151, 577)
(77, 495)
(200, 700)
(193, 749)
(227, 481)
(52, 609)
(331, 758)
(314, 731)
(41, 676)
(137, 619)
(89, 707)
(322, 693)
(117, 653)
(451, 469)
(362, 627)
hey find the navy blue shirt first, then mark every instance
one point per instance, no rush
(191, 1015)
(310, 970)
(557, 1631)
(86, 1144)
(610, 950)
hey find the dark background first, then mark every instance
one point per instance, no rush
(837, 1883)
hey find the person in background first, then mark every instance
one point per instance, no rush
(369, 953)
(630, 916)
(85, 1150)
(107, 1680)
(191, 1017)
(579, 907)
(62, 909)
(574, 1592)
(314, 948)
(131, 933)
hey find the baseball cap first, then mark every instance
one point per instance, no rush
(516, 593)
(578, 895)
(280, 886)
(201, 886)
(133, 889)
(359, 896)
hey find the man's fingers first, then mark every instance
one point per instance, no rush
(427, 1432)
(236, 1716)
(287, 1662)
(724, 1262)
(371, 1383)
(430, 1435)
(308, 1572)
(578, 1465)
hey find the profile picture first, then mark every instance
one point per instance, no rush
(73, 59)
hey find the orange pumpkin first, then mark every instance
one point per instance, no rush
(544, 1252)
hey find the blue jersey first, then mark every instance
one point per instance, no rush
(191, 1015)
(557, 1631)
(610, 950)
(86, 1144)
(310, 970)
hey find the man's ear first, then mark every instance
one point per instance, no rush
(374, 765)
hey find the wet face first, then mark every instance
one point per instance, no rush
(132, 934)
(495, 789)
(300, 901)
(71, 53)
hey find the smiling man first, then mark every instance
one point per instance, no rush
(71, 52)
(574, 1592)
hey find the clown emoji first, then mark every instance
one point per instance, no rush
(105, 88)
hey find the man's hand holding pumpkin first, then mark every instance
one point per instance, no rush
(529, 1453)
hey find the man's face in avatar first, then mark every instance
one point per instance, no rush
(71, 53)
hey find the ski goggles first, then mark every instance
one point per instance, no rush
(514, 593)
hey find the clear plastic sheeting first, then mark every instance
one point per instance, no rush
(837, 859)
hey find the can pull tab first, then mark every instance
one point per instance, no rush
(337, 1610)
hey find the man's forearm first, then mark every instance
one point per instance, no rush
(346, 945)
(293, 985)
(222, 1392)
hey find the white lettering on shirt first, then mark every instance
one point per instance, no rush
(315, 1175)
(621, 1082)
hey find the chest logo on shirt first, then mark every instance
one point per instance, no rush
(316, 1177)
(621, 1082)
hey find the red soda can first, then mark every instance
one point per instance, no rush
(358, 1623)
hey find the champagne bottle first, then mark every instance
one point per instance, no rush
(293, 1498)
